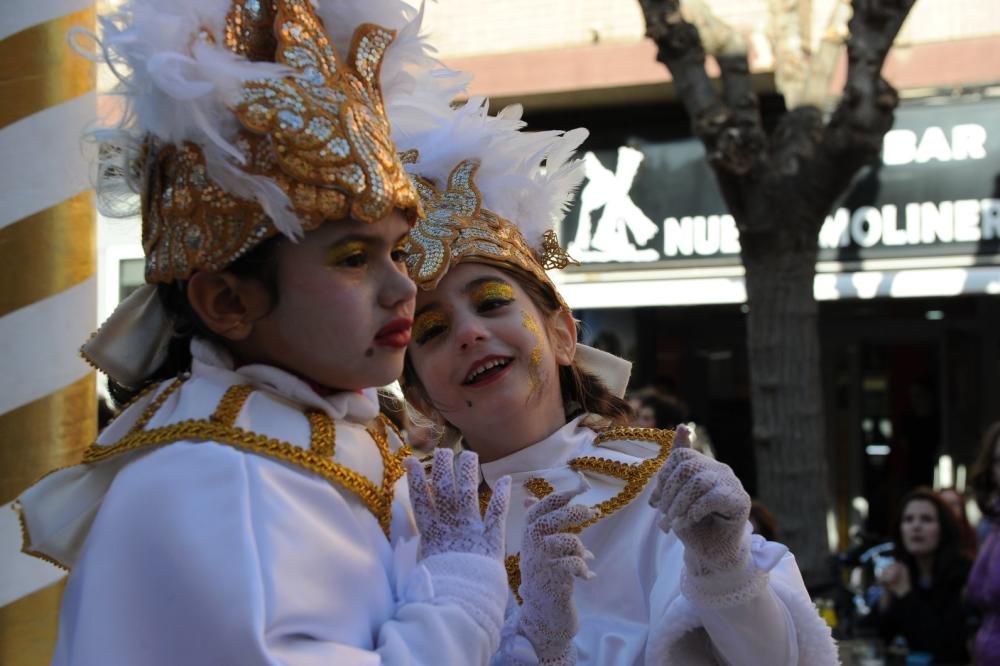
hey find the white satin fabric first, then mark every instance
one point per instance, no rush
(199, 553)
(632, 612)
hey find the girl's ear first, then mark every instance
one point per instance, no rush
(228, 305)
(562, 336)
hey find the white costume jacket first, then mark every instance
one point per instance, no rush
(238, 517)
(633, 612)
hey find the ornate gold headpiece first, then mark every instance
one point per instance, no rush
(457, 229)
(320, 136)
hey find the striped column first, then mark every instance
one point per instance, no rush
(47, 291)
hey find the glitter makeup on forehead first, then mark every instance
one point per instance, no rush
(535, 362)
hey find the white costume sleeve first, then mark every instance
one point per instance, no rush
(202, 554)
(779, 626)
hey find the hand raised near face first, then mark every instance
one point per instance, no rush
(446, 508)
(705, 505)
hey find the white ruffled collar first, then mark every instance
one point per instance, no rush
(213, 361)
(549, 453)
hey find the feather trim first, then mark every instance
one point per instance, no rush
(526, 177)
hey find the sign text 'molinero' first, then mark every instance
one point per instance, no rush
(937, 190)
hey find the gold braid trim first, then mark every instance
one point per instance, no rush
(232, 403)
(322, 434)
(513, 566)
(377, 501)
(26, 539)
(635, 475)
(392, 465)
(317, 459)
(156, 403)
(538, 487)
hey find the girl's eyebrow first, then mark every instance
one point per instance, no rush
(368, 239)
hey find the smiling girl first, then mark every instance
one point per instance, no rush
(678, 578)
(247, 506)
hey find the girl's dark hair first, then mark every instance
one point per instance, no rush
(948, 558)
(582, 392)
(259, 263)
(984, 486)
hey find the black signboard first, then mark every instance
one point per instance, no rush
(937, 192)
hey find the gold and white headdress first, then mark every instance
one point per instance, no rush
(491, 193)
(244, 119)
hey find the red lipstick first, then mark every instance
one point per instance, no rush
(395, 334)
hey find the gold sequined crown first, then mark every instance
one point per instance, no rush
(456, 228)
(321, 136)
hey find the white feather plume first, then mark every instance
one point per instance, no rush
(178, 87)
(526, 177)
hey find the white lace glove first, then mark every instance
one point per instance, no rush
(705, 505)
(461, 549)
(551, 560)
(447, 513)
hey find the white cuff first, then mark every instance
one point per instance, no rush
(475, 583)
(738, 585)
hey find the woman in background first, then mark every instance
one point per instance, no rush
(922, 590)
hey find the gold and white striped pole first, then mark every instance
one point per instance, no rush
(47, 291)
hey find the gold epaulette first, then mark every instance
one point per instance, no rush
(318, 458)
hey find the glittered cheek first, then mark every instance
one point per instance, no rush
(535, 360)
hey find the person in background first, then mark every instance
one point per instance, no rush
(763, 521)
(983, 591)
(955, 500)
(921, 591)
(658, 412)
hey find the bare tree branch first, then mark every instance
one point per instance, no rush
(717, 37)
(823, 61)
(864, 113)
(791, 50)
(730, 127)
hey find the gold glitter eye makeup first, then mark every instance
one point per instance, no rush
(349, 251)
(494, 290)
(427, 325)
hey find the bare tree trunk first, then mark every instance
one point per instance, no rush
(784, 352)
(779, 188)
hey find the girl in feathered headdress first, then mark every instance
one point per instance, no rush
(247, 506)
(665, 569)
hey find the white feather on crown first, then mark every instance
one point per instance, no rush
(178, 88)
(528, 178)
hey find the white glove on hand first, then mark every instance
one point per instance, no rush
(461, 550)
(705, 505)
(551, 559)
(447, 513)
